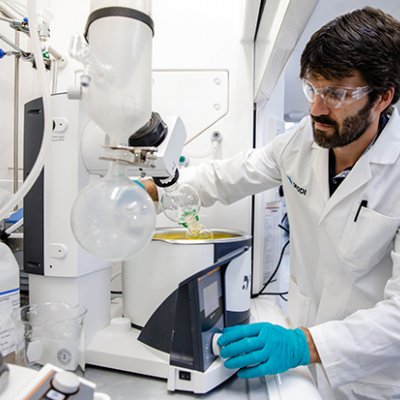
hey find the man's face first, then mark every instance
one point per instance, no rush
(338, 127)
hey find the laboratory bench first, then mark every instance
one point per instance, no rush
(120, 385)
(124, 385)
(127, 386)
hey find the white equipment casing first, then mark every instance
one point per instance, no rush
(60, 270)
(162, 266)
(185, 258)
(152, 295)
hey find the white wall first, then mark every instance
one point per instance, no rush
(207, 35)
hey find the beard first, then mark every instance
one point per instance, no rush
(352, 128)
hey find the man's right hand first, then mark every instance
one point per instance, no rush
(151, 188)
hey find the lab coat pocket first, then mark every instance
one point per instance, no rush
(365, 241)
(298, 305)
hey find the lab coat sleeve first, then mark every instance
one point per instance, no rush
(247, 173)
(365, 342)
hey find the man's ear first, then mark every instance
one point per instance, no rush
(385, 99)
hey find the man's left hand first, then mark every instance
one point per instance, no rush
(263, 349)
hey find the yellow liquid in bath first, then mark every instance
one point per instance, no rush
(182, 236)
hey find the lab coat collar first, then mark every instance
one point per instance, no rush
(386, 150)
(320, 165)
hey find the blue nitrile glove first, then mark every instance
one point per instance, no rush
(263, 349)
(139, 183)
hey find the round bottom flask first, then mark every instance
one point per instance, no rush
(113, 218)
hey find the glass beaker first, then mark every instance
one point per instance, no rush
(49, 333)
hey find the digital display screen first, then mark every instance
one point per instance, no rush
(211, 311)
(211, 298)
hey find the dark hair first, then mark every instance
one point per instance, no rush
(366, 40)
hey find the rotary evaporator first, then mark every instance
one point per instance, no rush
(84, 212)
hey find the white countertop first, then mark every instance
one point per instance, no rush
(290, 385)
(121, 385)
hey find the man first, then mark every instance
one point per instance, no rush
(340, 171)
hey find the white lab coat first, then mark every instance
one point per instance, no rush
(345, 275)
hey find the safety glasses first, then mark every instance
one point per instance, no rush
(335, 96)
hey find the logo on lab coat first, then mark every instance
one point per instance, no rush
(297, 187)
